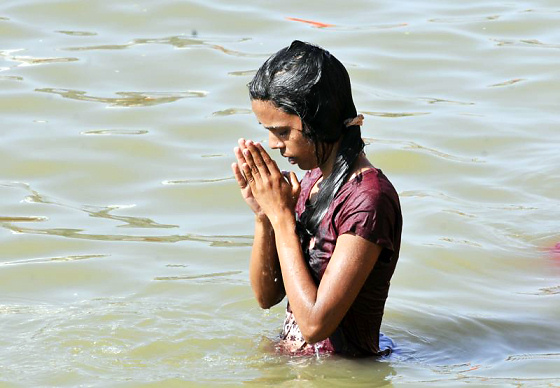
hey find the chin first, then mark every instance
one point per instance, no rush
(305, 167)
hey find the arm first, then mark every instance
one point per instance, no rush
(264, 269)
(318, 310)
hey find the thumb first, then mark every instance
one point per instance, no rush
(295, 183)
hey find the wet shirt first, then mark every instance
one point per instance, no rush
(367, 206)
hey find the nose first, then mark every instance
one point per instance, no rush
(274, 142)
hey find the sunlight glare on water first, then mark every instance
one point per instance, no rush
(125, 243)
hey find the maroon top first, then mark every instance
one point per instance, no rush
(367, 206)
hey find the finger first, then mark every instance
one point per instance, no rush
(250, 160)
(239, 155)
(286, 175)
(294, 181)
(296, 187)
(268, 161)
(248, 172)
(257, 158)
(241, 181)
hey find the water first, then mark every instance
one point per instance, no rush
(125, 243)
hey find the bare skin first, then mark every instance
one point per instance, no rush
(278, 265)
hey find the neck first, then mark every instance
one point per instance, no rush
(327, 167)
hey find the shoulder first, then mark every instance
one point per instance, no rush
(367, 191)
(369, 207)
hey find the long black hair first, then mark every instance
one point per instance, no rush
(307, 81)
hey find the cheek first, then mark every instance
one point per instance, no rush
(308, 153)
(307, 146)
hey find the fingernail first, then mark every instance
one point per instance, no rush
(249, 141)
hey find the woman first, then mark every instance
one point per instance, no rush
(331, 242)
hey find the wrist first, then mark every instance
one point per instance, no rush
(284, 222)
(263, 220)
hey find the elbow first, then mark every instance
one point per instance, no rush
(266, 303)
(315, 333)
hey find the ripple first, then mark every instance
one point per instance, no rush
(460, 242)
(77, 33)
(128, 99)
(533, 356)
(190, 181)
(466, 19)
(243, 72)
(432, 100)
(212, 155)
(175, 41)
(231, 111)
(460, 213)
(545, 291)
(22, 219)
(394, 115)
(507, 83)
(415, 146)
(11, 78)
(113, 132)
(29, 61)
(486, 381)
(130, 222)
(92, 211)
(368, 27)
(203, 276)
(525, 43)
(54, 259)
(457, 368)
(214, 241)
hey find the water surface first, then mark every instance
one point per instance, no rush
(125, 243)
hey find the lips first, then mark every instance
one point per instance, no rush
(291, 160)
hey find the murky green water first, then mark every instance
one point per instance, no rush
(124, 242)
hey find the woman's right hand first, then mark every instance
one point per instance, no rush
(246, 192)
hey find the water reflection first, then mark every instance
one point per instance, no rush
(128, 99)
(507, 83)
(77, 33)
(204, 180)
(54, 259)
(110, 132)
(526, 43)
(215, 241)
(106, 213)
(322, 371)
(28, 60)
(410, 145)
(206, 276)
(175, 41)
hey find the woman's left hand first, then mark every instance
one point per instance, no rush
(272, 191)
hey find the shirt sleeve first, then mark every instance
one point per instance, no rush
(370, 216)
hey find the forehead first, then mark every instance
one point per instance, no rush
(272, 117)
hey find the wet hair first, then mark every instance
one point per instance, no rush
(307, 81)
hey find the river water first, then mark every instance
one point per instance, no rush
(124, 242)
